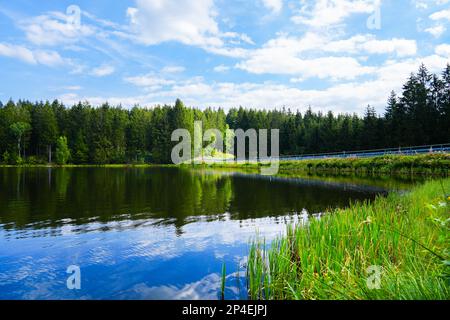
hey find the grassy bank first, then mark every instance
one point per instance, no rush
(434, 164)
(406, 235)
(125, 165)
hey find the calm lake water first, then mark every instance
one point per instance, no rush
(148, 233)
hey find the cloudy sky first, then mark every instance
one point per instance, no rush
(330, 54)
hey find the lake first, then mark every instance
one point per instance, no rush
(149, 233)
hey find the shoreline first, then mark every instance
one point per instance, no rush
(429, 164)
(425, 165)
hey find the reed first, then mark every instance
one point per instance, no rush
(224, 277)
(405, 235)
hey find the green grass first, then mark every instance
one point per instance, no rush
(406, 235)
(434, 164)
(125, 165)
(429, 164)
(393, 164)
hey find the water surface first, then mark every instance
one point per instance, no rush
(147, 233)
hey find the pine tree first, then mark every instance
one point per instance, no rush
(80, 149)
(444, 107)
(45, 128)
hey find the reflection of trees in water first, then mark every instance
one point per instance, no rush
(105, 194)
(260, 197)
(174, 196)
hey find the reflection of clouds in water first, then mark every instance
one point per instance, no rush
(45, 290)
(152, 240)
(102, 255)
(38, 278)
(38, 265)
(200, 235)
(206, 288)
(27, 268)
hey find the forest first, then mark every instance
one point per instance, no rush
(49, 132)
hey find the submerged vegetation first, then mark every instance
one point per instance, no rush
(334, 257)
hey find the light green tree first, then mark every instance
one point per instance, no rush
(62, 151)
(18, 129)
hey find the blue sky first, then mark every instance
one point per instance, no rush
(335, 55)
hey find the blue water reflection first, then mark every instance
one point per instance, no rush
(144, 233)
(131, 259)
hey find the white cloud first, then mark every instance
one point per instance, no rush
(369, 44)
(441, 15)
(53, 29)
(173, 69)
(421, 4)
(149, 82)
(325, 67)
(17, 52)
(424, 4)
(331, 12)
(186, 21)
(103, 70)
(221, 68)
(274, 5)
(190, 22)
(237, 38)
(48, 58)
(296, 80)
(229, 52)
(306, 56)
(436, 31)
(246, 39)
(70, 98)
(72, 88)
(349, 97)
(281, 55)
(401, 47)
(443, 50)
(396, 72)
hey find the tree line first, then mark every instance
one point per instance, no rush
(42, 132)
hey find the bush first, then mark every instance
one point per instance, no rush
(6, 157)
(34, 160)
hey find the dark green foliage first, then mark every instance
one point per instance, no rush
(421, 115)
(138, 134)
(45, 129)
(80, 150)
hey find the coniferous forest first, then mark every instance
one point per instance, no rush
(44, 132)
